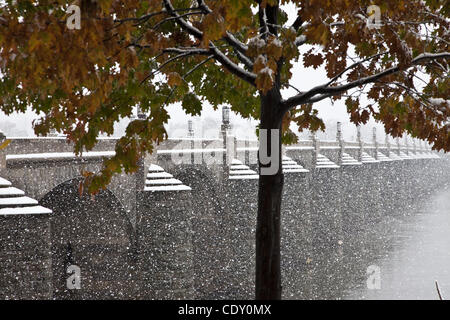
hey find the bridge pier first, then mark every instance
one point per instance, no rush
(25, 256)
(297, 246)
(240, 210)
(327, 226)
(165, 245)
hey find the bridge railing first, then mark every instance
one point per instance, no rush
(234, 147)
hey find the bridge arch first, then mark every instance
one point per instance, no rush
(95, 234)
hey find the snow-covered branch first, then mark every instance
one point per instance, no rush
(231, 66)
(324, 91)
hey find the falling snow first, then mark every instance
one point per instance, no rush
(186, 230)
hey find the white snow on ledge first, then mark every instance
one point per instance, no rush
(291, 166)
(330, 147)
(404, 156)
(154, 167)
(53, 138)
(300, 148)
(24, 211)
(348, 160)
(17, 201)
(168, 188)
(11, 191)
(60, 155)
(367, 158)
(383, 158)
(14, 202)
(189, 151)
(323, 162)
(239, 171)
(159, 175)
(244, 177)
(158, 180)
(4, 183)
(170, 181)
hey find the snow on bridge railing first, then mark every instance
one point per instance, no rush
(24, 148)
(348, 160)
(59, 156)
(13, 201)
(27, 145)
(157, 180)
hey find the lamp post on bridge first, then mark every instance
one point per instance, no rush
(53, 133)
(360, 143)
(191, 137)
(398, 145)
(2, 151)
(375, 142)
(190, 129)
(224, 130)
(225, 127)
(388, 145)
(340, 140)
(316, 148)
(139, 114)
(140, 173)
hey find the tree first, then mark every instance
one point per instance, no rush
(238, 52)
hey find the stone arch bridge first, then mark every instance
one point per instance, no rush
(183, 225)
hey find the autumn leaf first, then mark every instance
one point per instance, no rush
(313, 60)
(4, 144)
(274, 48)
(191, 104)
(264, 80)
(174, 79)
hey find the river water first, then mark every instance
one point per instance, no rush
(418, 254)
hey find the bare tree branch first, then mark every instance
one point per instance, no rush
(197, 66)
(181, 54)
(187, 75)
(353, 66)
(156, 26)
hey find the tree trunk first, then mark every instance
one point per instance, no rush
(268, 268)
